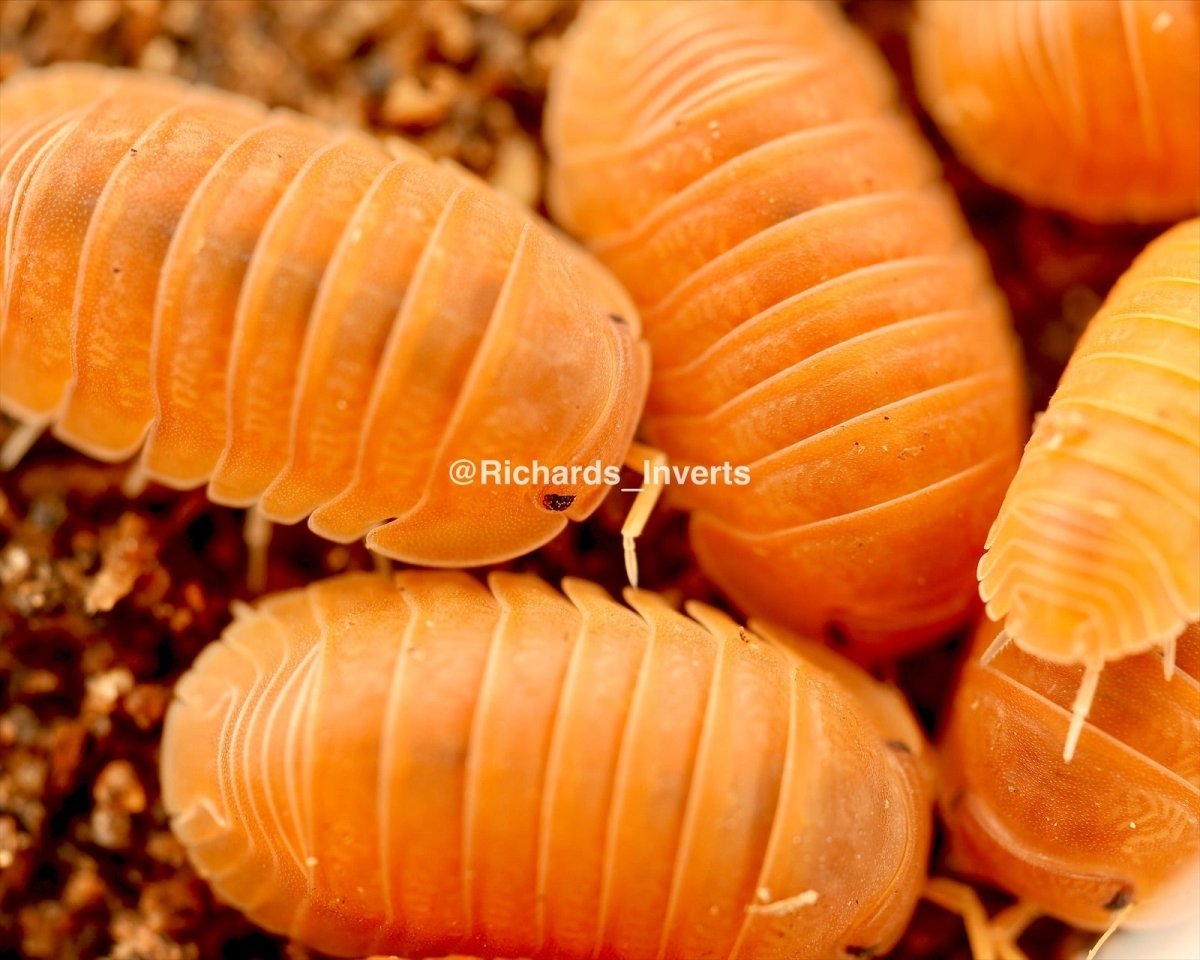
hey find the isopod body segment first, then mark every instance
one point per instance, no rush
(1119, 826)
(422, 765)
(300, 319)
(816, 309)
(1087, 106)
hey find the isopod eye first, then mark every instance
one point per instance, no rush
(899, 746)
(557, 502)
(1120, 900)
(618, 319)
(836, 636)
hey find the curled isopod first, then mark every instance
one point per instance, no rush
(1089, 106)
(1113, 836)
(1096, 552)
(816, 308)
(300, 319)
(421, 765)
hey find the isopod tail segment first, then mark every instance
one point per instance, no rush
(1095, 553)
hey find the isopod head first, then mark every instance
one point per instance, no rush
(1119, 825)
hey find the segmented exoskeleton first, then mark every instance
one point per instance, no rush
(1088, 106)
(1111, 837)
(420, 765)
(816, 308)
(1096, 552)
(299, 318)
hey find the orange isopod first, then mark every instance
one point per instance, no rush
(300, 319)
(816, 309)
(1112, 836)
(1096, 552)
(421, 765)
(1088, 106)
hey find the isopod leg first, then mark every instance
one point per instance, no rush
(135, 480)
(1082, 706)
(17, 444)
(961, 900)
(990, 939)
(639, 457)
(258, 538)
(1008, 925)
(383, 564)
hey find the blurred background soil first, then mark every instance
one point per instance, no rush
(104, 600)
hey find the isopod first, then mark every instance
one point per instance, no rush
(1112, 836)
(816, 309)
(1095, 554)
(300, 319)
(1089, 107)
(422, 765)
